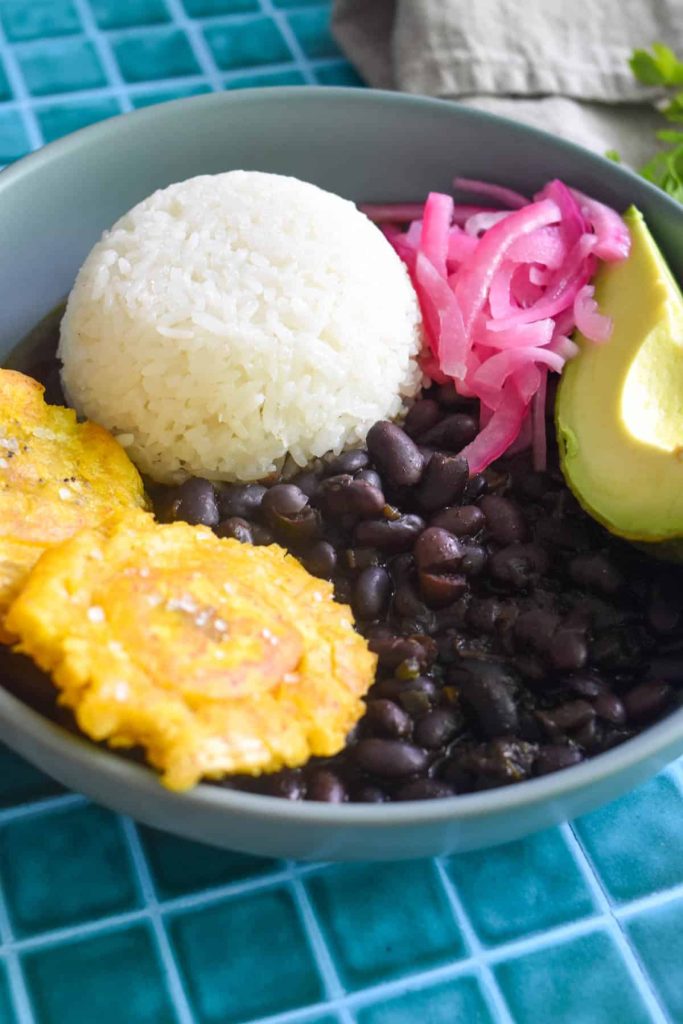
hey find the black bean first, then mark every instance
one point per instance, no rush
(518, 565)
(424, 789)
(563, 533)
(474, 560)
(571, 715)
(441, 589)
(504, 519)
(476, 487)
(289, 784)
(344, 495)
(348, 462)
(235, 527)
(261, 536)
(595, 572)
(487, 689)
(415, 696)
(370, 477)
(243, 500)
(325, 786)
(443, 481)
(437, 728)
(437, 550)
(391, 535)
(554, 757)
(610, 708)
(321, 559)
(499, 762)
(668, 668)
(392, 650)
(536, 627)
(196, 503)
(283, 500)
(616, 650)
(590, 736)
(452, 432)
(647, 701)
(483, 614)
(448, 397)
(385, 718)
(426, 452)
(568, 650)
(408, 603)
(421, 416)
(308, 482)
(389, 759)
(587, 684)
(343, 589)
(369, 795)
(464, 521)
(371, 592)
(395, 455)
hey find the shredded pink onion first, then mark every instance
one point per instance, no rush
(501, 298)
(506, 196)
(589, 321)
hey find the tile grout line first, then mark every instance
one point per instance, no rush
(17, 984)
(47, 806)
(170, 965)
(200, 47)
(333, 987)
(649, 902)
(104, 52)
(634, 967)
(20, 92)
(287, 32)
(144, 88)
(492, 991)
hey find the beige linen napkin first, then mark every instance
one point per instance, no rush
(558, 64)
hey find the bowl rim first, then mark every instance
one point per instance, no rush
(18, 718)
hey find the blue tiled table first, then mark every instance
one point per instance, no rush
(106, 922)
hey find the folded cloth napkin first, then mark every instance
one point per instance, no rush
(561, 65)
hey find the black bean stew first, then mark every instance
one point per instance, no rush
(515, 636)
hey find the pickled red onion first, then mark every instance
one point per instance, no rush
(501, 297)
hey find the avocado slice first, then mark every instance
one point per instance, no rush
(619, 406)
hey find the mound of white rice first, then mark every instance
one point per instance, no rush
(230, 319)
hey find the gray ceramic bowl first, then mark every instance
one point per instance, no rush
(366, 146)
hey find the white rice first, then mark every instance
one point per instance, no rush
(230, 319)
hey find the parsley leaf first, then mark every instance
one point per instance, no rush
(661, 67)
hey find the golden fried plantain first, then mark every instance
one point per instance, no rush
(217, 657)
(56, 477)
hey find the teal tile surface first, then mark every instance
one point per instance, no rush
(630, 842)
(313, 32)
(7, 1015)
(521, 888)
(265, 79)
(20, 782)
(38, 19)
(14, 142)
(5, 90)
(450, 1002)
(62, 118)
(64, 868)
(246, 44)
(214, 8)
(246, 958)
(582, 981)
(179, 866)
(61, 65)
(126, 13)
(148, 99)
(384, 921)
(115, 978)
(338, 74)
(657, 935)
(154, 55)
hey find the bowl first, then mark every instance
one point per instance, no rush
(367, 146)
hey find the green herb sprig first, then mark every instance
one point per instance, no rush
(660, 66)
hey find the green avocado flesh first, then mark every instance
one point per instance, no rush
(619, 407)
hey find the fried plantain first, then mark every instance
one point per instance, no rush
(56, 477)
(216, 657)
